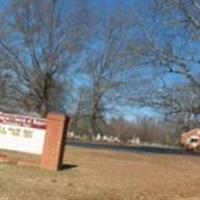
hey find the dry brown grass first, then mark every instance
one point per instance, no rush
(104, 175)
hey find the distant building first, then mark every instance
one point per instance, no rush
(190, 140)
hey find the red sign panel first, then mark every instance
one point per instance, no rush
(23, 121)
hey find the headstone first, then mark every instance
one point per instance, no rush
(98, 138)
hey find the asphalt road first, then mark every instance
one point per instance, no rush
(134, 149)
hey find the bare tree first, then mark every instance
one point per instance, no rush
(107, 67)
(39, 41)
(172, 29)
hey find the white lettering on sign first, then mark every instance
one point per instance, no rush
(22, 133)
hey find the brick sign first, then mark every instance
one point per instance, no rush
(21, 133)
(37, 136)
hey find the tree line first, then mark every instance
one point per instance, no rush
(93, 60)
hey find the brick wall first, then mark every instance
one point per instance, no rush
(54, 144)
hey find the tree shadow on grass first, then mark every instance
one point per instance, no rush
(68, 166)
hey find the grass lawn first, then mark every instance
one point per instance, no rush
(104, 175)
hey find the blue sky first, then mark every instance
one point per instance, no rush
(142, 6)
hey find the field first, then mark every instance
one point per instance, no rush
(104, 175)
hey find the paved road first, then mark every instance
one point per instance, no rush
(134, 149)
